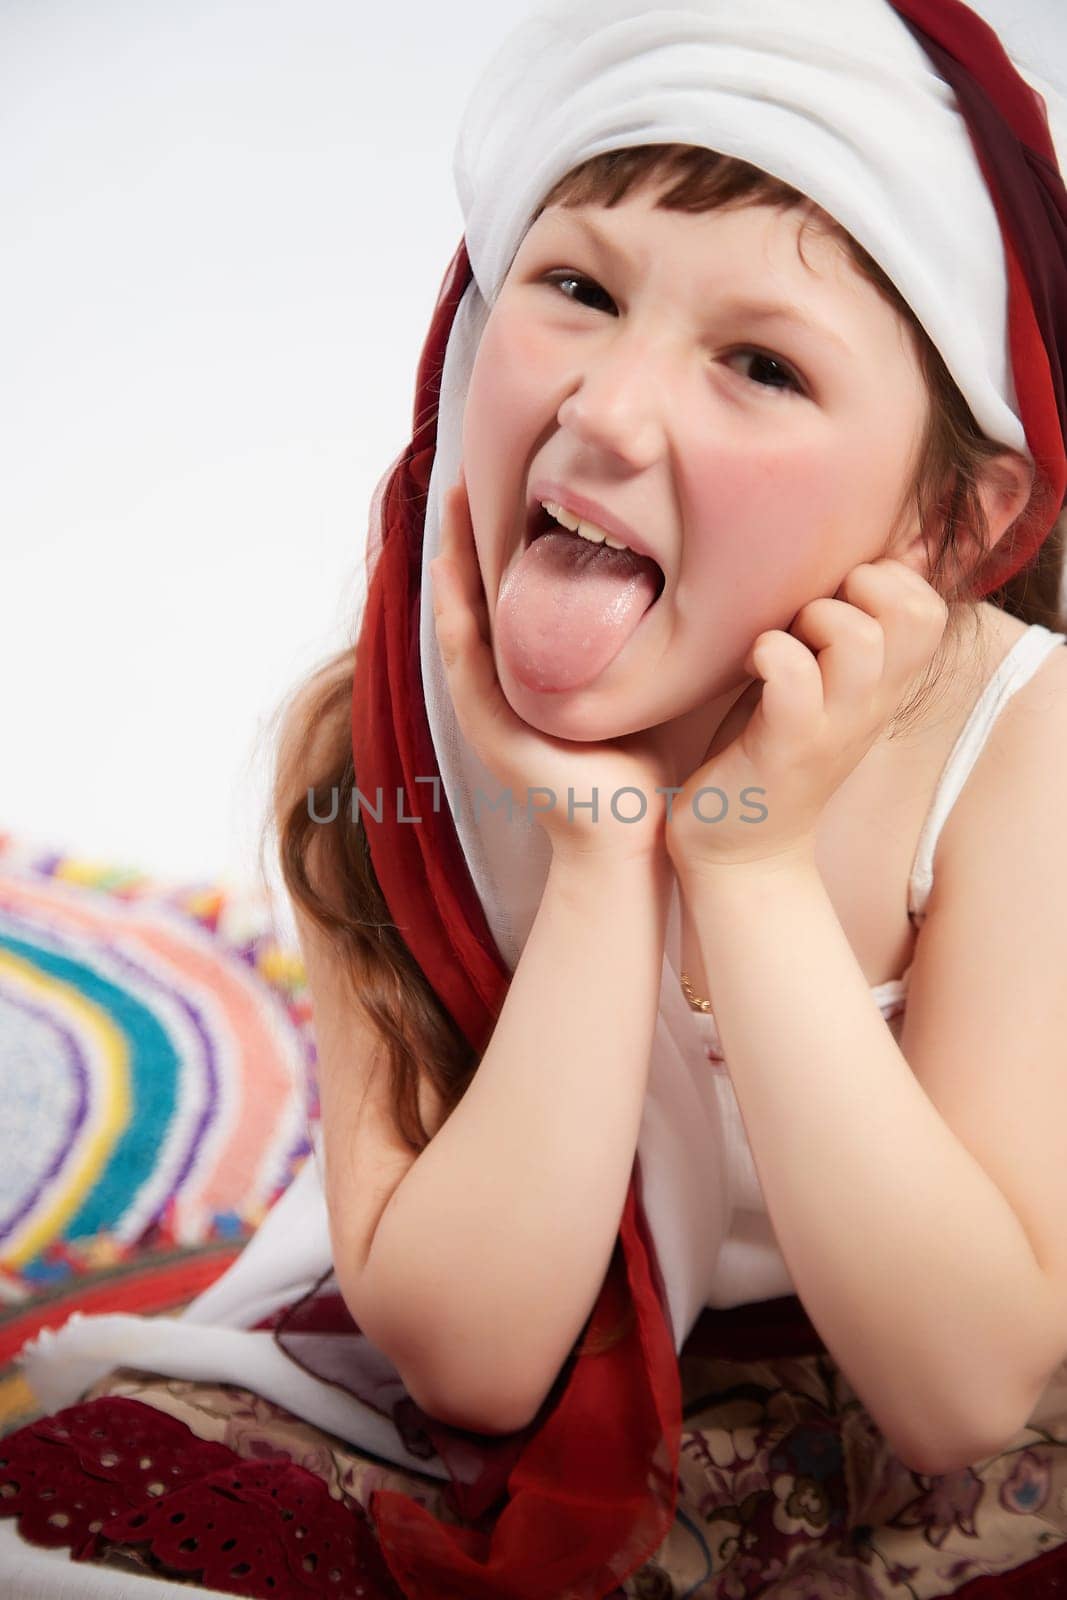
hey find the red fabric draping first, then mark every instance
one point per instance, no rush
(1010, 133)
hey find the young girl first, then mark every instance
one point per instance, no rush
(663, 1077)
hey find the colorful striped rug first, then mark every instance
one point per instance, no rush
(156, 1078)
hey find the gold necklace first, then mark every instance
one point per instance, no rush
(695, 1002)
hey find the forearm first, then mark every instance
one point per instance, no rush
(907, 1257)
(493, 1248)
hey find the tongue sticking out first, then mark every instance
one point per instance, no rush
(568, 608)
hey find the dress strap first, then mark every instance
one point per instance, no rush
(1017, 668)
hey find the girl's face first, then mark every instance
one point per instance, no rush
(754, 420)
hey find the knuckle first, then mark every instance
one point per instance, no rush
(815, 613)
(917, 605)
(868, 628)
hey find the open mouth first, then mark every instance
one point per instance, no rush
(540, 522)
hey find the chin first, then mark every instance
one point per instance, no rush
(579, 715)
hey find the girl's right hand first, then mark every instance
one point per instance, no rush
(521, 757)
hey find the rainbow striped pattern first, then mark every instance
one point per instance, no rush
(155, 1065)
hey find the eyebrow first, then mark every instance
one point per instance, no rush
(755, 309)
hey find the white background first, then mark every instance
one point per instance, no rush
(224, 227)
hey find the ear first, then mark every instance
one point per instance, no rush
(1004, 488)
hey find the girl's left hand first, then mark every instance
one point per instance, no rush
(824, 694)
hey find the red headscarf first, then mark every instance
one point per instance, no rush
(1010, 134)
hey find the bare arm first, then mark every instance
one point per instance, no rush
(910, 1261)
(490, 1254)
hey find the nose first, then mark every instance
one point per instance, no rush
(615, 406)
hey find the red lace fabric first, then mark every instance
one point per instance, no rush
(112, 1472)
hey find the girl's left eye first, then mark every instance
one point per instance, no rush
(793, 381)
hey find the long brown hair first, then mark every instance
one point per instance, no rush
(334, 882)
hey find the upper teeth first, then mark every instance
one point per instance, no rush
(585, 530)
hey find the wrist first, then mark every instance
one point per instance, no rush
(612, 862)
(794, 860)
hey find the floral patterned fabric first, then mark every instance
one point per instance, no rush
(787, 1491)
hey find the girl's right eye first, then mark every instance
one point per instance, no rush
(561, 277)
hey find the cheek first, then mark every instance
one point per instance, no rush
(787, 512)
(509, 384)
(504, 421)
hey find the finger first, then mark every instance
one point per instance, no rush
(459, 546)
(911, 613)
(849, 647)
(737, 718)
(477, 698)
(792, 687)
(448, 613)
(916, 613)
(467, 661)
(454, 507)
